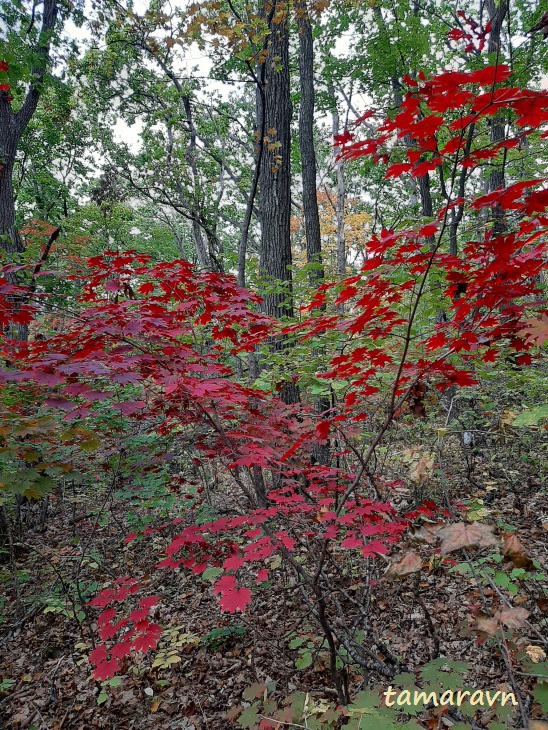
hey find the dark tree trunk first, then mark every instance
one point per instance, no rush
(497, 13)
(274, 102)
(12, 126)
(308, 163)
(9, 236)
(341, 188)
(274, 180)
(306, 140)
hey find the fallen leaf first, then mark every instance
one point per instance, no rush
(513, 618)
(462, 535)
(487, 624)
(127, 697)
(410, 563)
(513, 550)
(535, 653)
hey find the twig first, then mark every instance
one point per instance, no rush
(52, 699)
(431, 628)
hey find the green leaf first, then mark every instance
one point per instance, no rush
(114, 682)
(249, 716)
(406, 679)
(501, 579)
(532, 417)
(518, 573)
(304, 661)
(365, 700)
(211, 573)
(541, 695)
(253, 691)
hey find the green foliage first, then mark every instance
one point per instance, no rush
(218, 637)
(532, 417)
(440, 684)
(6, 684)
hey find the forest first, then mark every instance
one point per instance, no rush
(273, 364)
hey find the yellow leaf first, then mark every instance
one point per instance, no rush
(535, 653)
(478, 514)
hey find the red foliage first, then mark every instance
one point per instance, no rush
(145, 325)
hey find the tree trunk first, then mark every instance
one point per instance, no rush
(497, 13)
(9, 236)
(341, 189)
(208, 250)
(309, 168)
(275, 178)
(12, 127)
(306, 140)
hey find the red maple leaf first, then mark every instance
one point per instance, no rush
(121, 649)
(262, 575)
(103, 599)
(106, 616)
(106, 670)
(149, 602)
(98, 655)
(236, 600)
(144, 642)
(234, 562)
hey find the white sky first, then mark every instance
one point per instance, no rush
(195, 58)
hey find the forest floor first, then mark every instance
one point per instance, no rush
(46, 678)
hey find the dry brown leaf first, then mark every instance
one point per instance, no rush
(536, 330)
(513, 618)
(410, 563)
(423, 468)
(514, 551)
(127, 697)
(427, 532)
(487, 624)
(537, 725)
(422, 535)
(462, 535)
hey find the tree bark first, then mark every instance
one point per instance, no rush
(208, 253)
(497, 13)
(13, 125)
(275, 178)
(306, 141)
(309, 170)
(341, 190)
